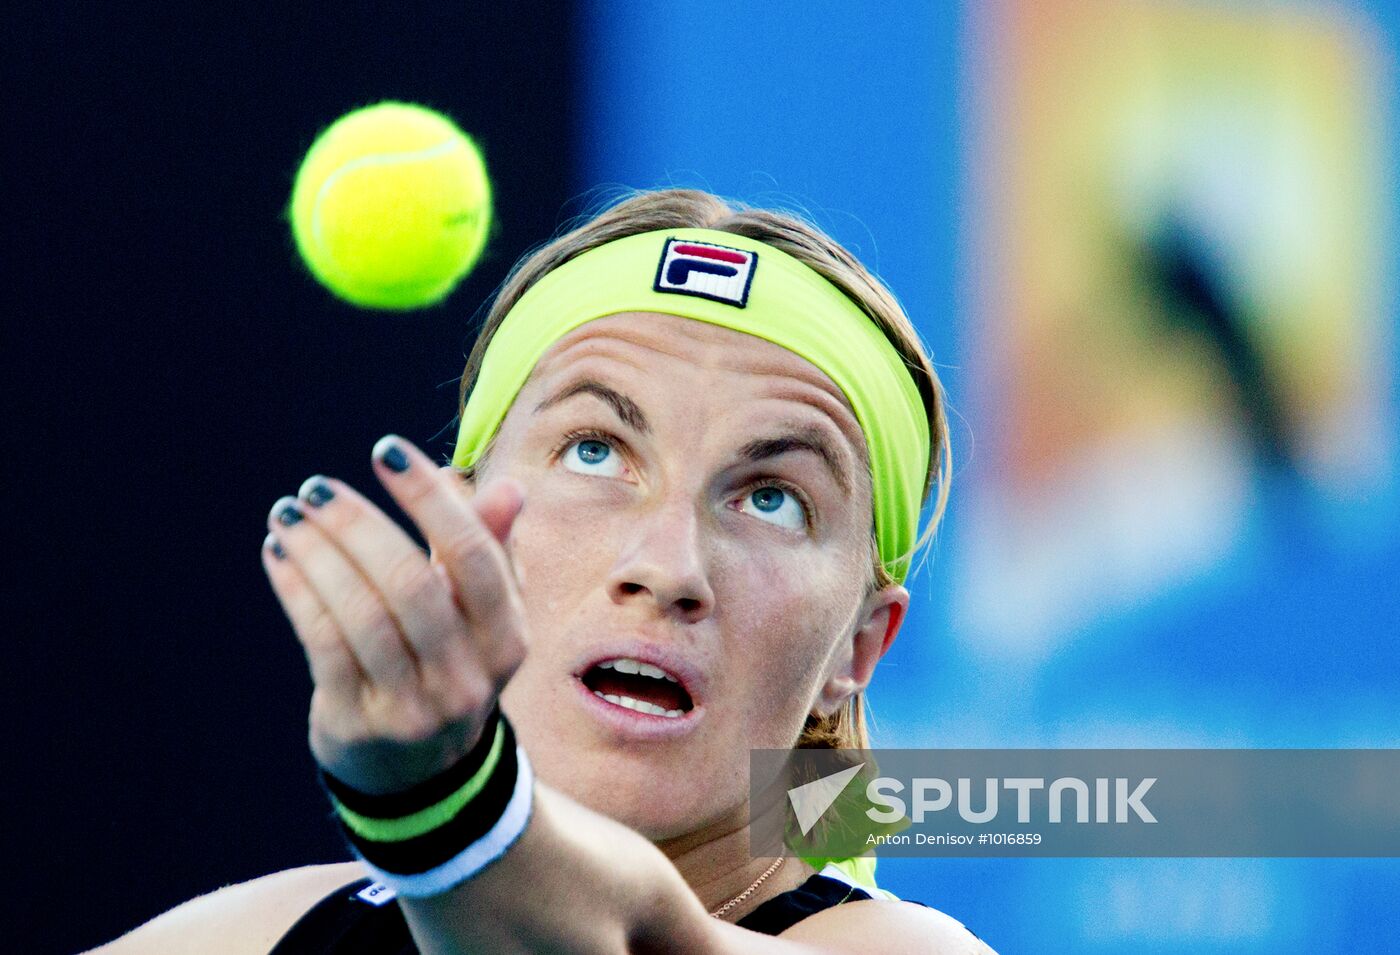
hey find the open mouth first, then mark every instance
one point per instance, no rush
(638, 686)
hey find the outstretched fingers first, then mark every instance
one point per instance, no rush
(359, 611)
(408, 651)
(466, 538)
(394, 569)
(333, 666)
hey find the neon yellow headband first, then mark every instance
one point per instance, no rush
(744, 285)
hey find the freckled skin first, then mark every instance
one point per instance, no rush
(673, 547)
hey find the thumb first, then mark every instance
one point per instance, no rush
(498, 504)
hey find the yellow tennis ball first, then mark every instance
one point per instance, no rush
(391, 206)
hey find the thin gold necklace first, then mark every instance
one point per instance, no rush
(719, 912)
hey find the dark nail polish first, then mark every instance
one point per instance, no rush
(276, 547)
(319, 494)
(394, 459)
(289, 515)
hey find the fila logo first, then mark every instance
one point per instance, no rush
(708, 271)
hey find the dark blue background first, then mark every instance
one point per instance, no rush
(174, 371)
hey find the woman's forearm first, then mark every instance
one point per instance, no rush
(574, 882)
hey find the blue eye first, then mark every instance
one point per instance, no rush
(768, 499)
(591, 456)
(776, 506)
(593, 452)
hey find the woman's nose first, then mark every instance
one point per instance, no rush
(663, 563)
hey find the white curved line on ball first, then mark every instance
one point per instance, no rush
(389, 159)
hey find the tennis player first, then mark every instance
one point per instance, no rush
(695, 442)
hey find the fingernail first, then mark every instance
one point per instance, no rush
(316, 491)
(391, 455)
(287, 515)
(272, 544)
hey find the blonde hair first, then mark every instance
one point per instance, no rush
(689, 208)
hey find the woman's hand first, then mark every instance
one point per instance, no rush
(408, 652)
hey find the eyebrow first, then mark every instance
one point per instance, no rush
(808, 438)
(623, 406)
(802, 438)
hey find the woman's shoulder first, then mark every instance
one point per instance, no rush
(837, 910)
(242, 918)
(889, 927)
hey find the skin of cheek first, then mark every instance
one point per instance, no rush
(800, 608)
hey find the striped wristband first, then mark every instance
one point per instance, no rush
(427, 839)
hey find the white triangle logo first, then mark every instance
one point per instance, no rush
(812, 799)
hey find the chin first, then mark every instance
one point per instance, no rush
(661, 798)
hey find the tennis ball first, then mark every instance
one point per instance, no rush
(391, 206)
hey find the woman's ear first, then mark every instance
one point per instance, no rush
(881, 615)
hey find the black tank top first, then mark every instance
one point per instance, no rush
(364, 918)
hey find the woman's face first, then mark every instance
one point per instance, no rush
(696, 501)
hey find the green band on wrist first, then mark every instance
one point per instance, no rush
(433, 817)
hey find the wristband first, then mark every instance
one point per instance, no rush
(427, 839)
